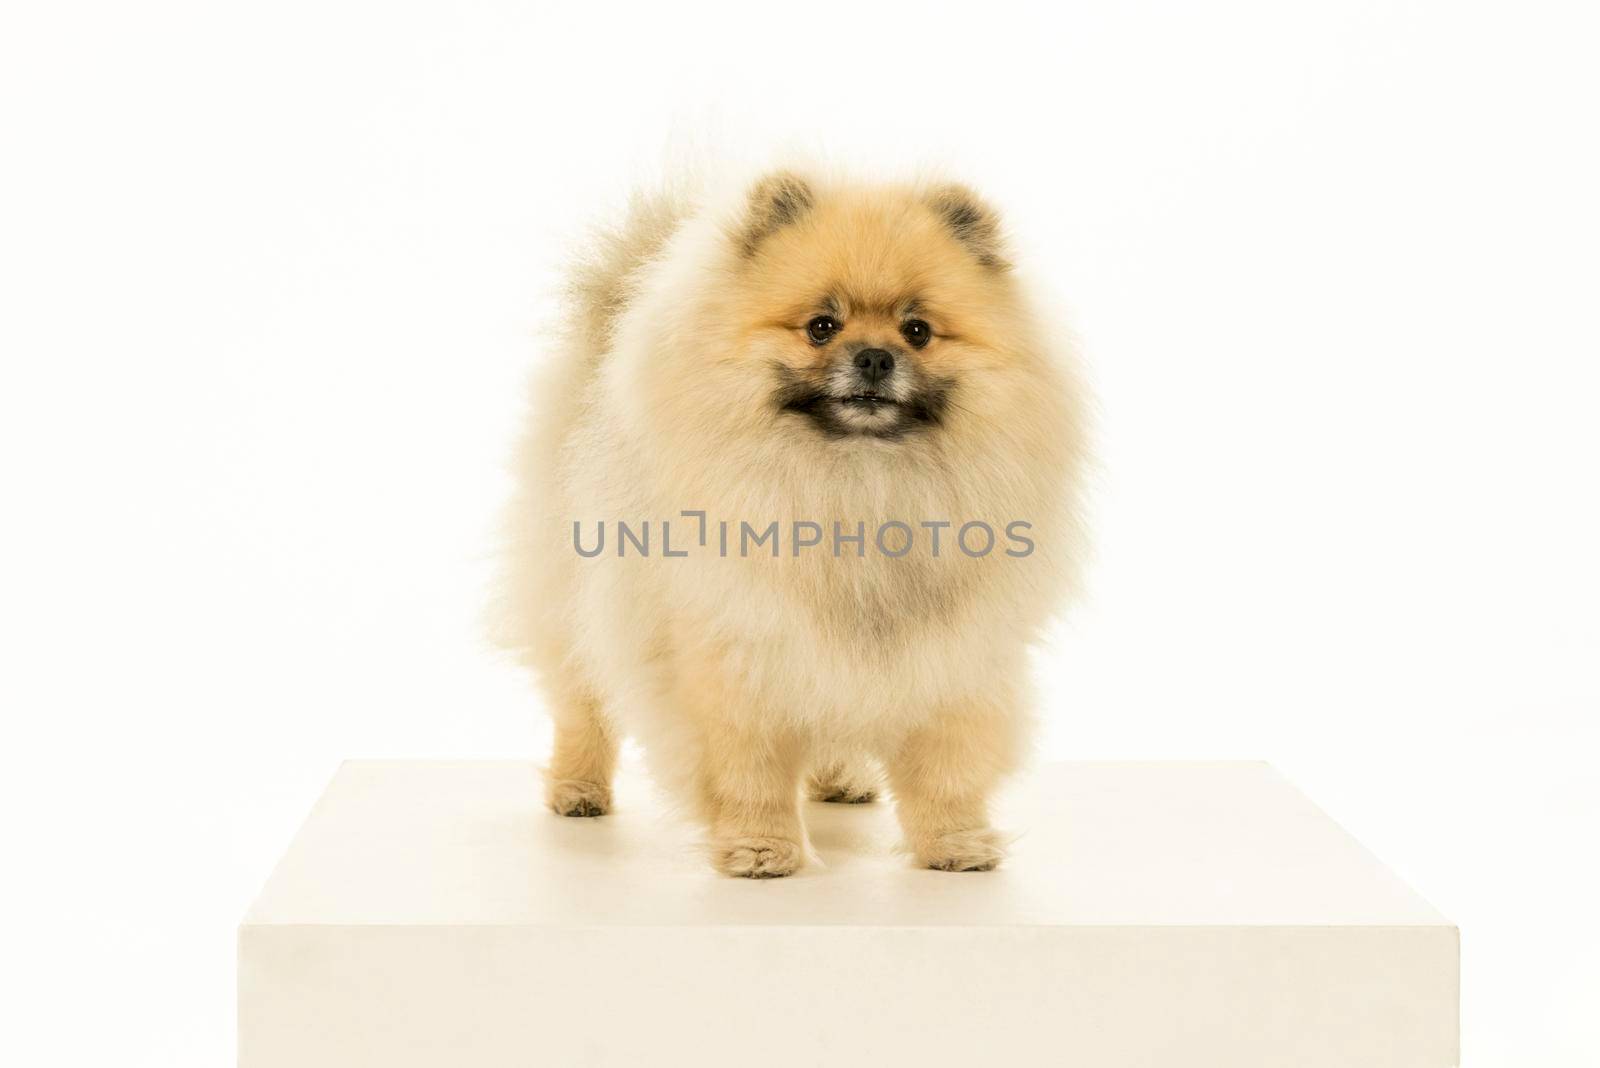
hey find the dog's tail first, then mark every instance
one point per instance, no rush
(601, 279)
(523, 614)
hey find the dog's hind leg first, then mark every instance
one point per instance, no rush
(578, 780)
(850, 780)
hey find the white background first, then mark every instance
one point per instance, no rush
(273, 277)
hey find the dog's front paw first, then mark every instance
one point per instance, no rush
(757, 858)
(980, 849)
(574, 797)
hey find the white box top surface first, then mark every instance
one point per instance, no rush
(1138, 844)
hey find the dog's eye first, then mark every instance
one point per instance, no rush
(821, 329)
(916, 332)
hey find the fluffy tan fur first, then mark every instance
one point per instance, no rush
(751, 680)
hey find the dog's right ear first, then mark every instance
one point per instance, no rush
(774, 202)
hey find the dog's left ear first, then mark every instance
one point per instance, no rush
(973, 223)
(774, 202)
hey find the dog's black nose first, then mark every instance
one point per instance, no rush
(874, 365)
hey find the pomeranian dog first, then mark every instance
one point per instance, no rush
(798, 495)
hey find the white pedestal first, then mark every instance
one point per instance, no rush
(1192, 915)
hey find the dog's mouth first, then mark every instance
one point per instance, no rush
(870, 401)
(868, 413)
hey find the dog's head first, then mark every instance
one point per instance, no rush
(869, 310)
